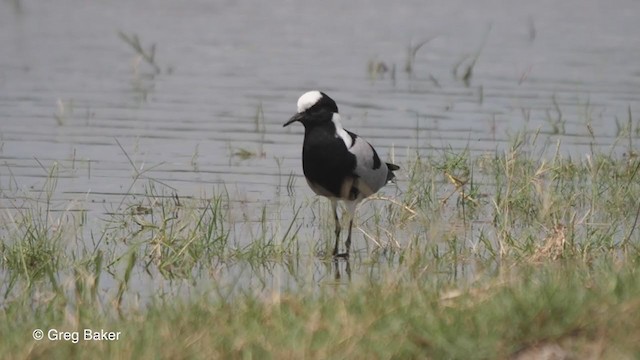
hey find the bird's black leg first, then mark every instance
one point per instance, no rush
(348, 243)
(334, 203)
(351, 207)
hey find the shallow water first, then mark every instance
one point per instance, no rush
(75, 97)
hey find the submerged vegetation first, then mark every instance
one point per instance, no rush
(511, 254)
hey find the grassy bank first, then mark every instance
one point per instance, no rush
(512, 254)
(585, 311)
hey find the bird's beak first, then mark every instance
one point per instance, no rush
(294, 118)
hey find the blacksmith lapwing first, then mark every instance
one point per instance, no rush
(337, 163)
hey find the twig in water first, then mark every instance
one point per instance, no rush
(148, 56)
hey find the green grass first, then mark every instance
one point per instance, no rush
(484, 256)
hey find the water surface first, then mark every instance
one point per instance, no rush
(78, 103)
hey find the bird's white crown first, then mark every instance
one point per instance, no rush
(308, 99)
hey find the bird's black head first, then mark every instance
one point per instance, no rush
(311, 106)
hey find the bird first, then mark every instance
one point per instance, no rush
(337, 163)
